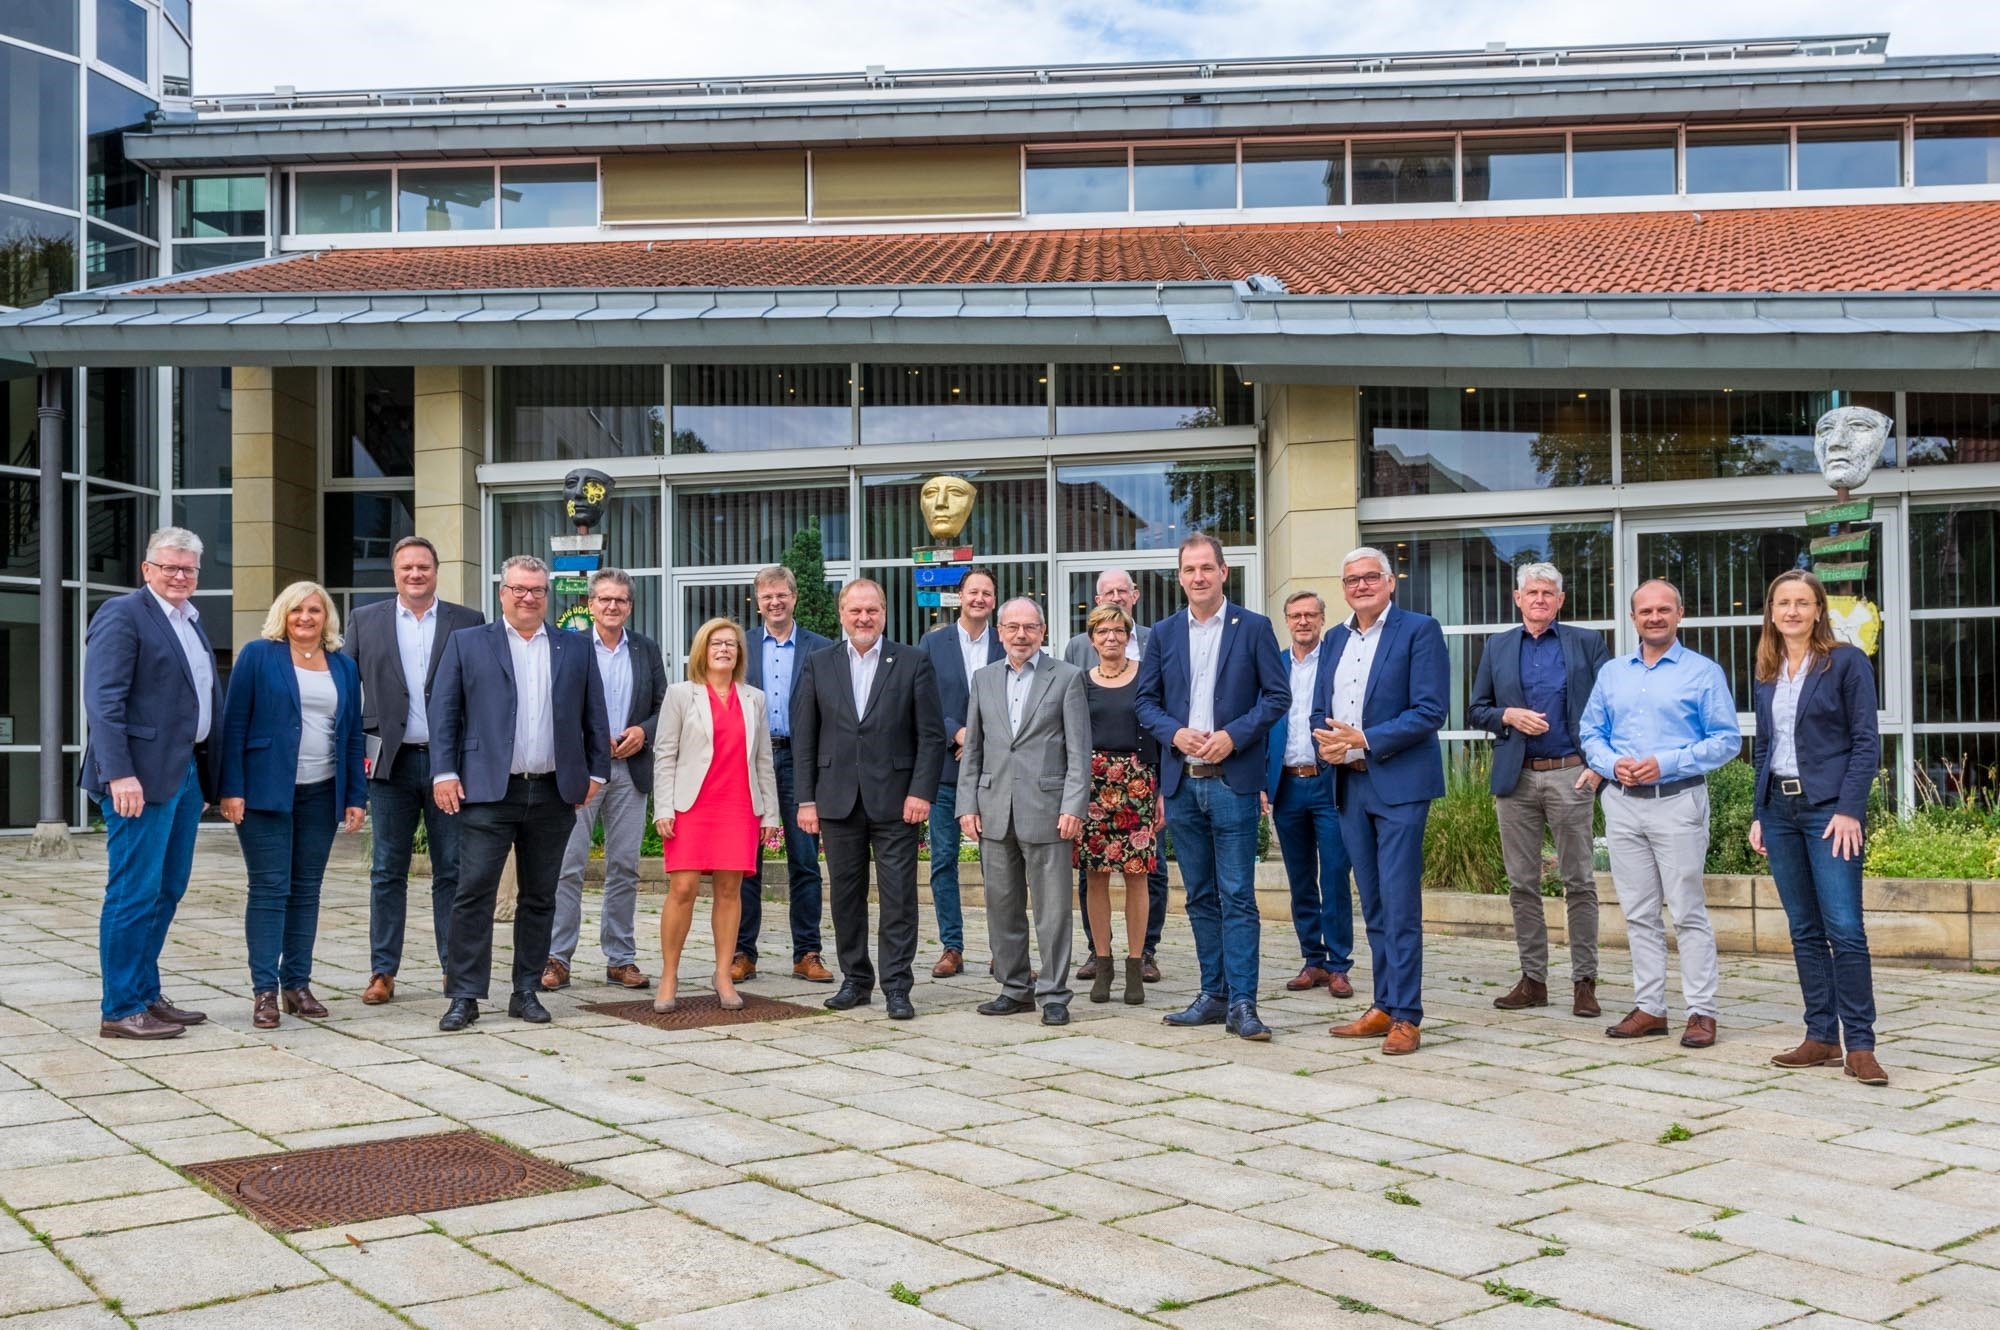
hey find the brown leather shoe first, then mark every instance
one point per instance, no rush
(949, 964)
(1637, 1025)
(163, 1009)
(1308, 978)
(1700, 1032)
(1863, 1067)
(1527, 993)
(381, 987)
(1584, 1000)
(1339, 985)
(1149, 969)
(741, 969)
(1403, 1038)
(555, 975)
(625, 976)
(140, 1025)
(1371, 1024)
(264, 1013)
(1811, 1053)
(301, 1002)
(812, 969)
(1086, 971)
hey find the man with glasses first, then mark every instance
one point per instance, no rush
(520, 744)
(635, 680)
(152, 700)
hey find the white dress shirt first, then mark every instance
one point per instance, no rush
(416, 634)
(200, 663)
(1204, 658)
(1785, 718)
(614, 666)
(1350, 678)
(861, 667)
(534, 715)
(1299, 751)
(1019, 683)
(972, 650)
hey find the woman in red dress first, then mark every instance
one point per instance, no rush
(715, 799)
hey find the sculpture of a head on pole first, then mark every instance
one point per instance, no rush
(1847, 442)
(585, 492)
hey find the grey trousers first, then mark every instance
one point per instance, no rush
(623, 809)
(1657, 850)
(1549, 800)
(1019, 876)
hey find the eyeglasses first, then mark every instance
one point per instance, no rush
(611, 602)
(1364, 579)
(1020, 627)
(526, 592)
(173, 570)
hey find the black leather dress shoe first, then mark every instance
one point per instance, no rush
(1056, 1013)
(528, 1007)
(899, 1006)
(1004, 1006)
(849, 996)
(461, 1013)
(1204, 1010)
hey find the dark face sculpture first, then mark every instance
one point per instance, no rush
(584, 495)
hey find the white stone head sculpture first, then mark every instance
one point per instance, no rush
(1847, 442)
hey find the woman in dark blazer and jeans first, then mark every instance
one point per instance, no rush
(291, 773)
(1816, 755)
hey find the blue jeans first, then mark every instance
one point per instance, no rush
(1307, 826)
(1386, 843)
(802, 875)
(394, 806)
(150, 855)
(1822, 896)
(944, 842)
(285, 857)
(1215, 841)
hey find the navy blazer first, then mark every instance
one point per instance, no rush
(804, 642)
(472, 713)
(1497, 686)
(1839, 748)
(954, 689)
(139, 698)
(262, 724)
(1252, 693)
(1404, 708)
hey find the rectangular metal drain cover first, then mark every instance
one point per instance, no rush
(698, 1009)
(295, 1190)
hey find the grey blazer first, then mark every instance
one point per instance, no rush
(385, 698)
(1019, 784)
(1079, 652)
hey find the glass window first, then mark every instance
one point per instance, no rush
(1102, 399)
(1677, 434)
(121, 36)
(1942, 428)
(458, 199)
(361, 529)
(1514, 168)
(1734, 161)
(116, 191)
(1179, 179)
(732, 526)
(925, 403)
(37, 128)
(1403, 171)
(525, 523)
(1466, 577)
(208, 516)
(182, 13)
(563, 194)
(561, 413)
(334, 202)
(1009, 514)
(1955, 568)
(20, 666)
(1466, 441)
(1159, 595)
(176, 64)
(751, 408)
(115, 526)
(1851, 157)
(1125, 506)
(50, 23)
(218, 207)
(111, 258)
(1092, 180)
(1294, 175)
(119, 420)
(909, 621)
(1609, 165)
(1965, 152)
(192, 257)
(203, 447)
(37, 253)
(1955, 558)
(374, 423)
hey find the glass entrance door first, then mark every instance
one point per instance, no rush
(1157, 581)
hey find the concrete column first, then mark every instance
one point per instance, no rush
(450, 445)
(1311, 478)
(274, 421)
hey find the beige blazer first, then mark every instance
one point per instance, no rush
(686, 745)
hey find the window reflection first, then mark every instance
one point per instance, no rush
(571, 412)
(563, 194)
(1093, 180)
(1676, 434)
(1155, 505)
(1738, 160)
(374, 422)
(1178, 179)
(361, 530)
(38, 114)
(1294, 175)
(1514, 168)
(1099, 399)
(334, 202)
(204, 451)
(921, 403)
(460, 199)
(1965, 152)
(1403, 171)
(749, 408)
(1604, 165)
(1466, 577)
(1009, 516)
(728, 525)
(1464, 441)
(1944, 428)
(1851, 157)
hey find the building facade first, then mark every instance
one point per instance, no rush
(1476, 308)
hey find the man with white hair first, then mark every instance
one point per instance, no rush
(1530, 693)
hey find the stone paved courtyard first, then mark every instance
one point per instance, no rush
(1520, 1173)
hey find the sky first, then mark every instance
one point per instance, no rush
(256, 45)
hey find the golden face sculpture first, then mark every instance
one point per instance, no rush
(947, 502)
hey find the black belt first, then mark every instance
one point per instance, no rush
(531, 775)
(413, 748)
(1663, 789)
(1791, 785)
(781, 741)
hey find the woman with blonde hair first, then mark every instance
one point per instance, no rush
(291, 774)
(714, 788)
(1121, 830)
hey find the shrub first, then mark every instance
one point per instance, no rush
(1462, 838)
(1935, 841)
(1731, 809)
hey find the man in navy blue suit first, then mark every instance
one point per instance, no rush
(1377, 708)
(519, 743)
(151, 696)
(958, 650)
(1211, 686)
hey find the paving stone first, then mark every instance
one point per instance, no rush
(325, 1306)
(1647, 1245)
(341, 1235)
(403, 1271)
(1514, 1316)
(1964, 1283)
(1394, 1286)
(1307, 1096)
(1622, 1164)
(1009, 1302)
(1095, 1199)
(1835, 1251)
(658, 1172)
(1120, 1268)
(929, 1205)
(861, 1129)
(122, 1110)
(1222, 1113)
(21, 1108)
(937, 1110)
(730, 1138)
(1113, 1058)
(1637, 1295)
(841, 1303)
(186, 1150)
(70, 1318)
(1340, 1138)
(980, 1165)
(109, 1216)
(1204, 1181)
(221, 1257)
(1491, 1174)
(57, 1142)
(1114, 1090)
(1869, 1212)
(1863, 1294)
(1062, 1144)
(85, 1180)
(1226, 1236)
(1177, 1133)
(532, 1211)
(1951, 1314)
(1071, 1107)
(754, 1211)
(311, 1103)
(1327, 1170)
(816, 1170)
(33, 1279)
(880, 1257)
(209, 1070)
(1469, 1130)
(524, 1306)
(1435, 1242)
(1870, 1167)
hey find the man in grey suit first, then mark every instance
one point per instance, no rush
(1024, 786)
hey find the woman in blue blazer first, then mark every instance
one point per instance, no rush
(291, 773)
(1816, 754)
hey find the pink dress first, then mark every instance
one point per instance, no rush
(720, 831)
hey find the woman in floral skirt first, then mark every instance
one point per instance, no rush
(1121, 831)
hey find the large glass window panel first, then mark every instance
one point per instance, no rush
(1009, 515)
(112, 258)
(1294, 175)
(1466, 577)
(361, 530)
(37, 127)
(751, 408)
(336, 202)
(21, 511)
(1090, 180)
(119, 416)
(20, 664)
(1964, 152)
(203, 447)
(1960, 767)
(454, 199)
(37, 254)
(1691, 434)
(1136, 505)
(702, 601)
(1610, 165)
(1180, 179)
(218, 207)
(1942, 428)
(50, 23)
(734, 526)
(115, 190)
(1102, 399)
(1459, 441)
(1735, 161)
(1851, 157)
(208, 516)
(115, 526)
(909, 621)
(374, 422)
(1955, 557)
(1159, 595)
(560, 194)
(176, 64)
(121, 36)
(1403, 171)
(193, 256)
(525, 523)
(926, 403)
(1955, 664)
(1530, 167)
(182, 13)
(561, 413)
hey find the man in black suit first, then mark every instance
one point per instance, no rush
(398, 644)
(635, 680)
(958, 650)
(867, 742)
(521, 744)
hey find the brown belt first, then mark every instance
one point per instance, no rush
(1555, 763)
(1202, 771)
(1358, 764)
(1303, 773)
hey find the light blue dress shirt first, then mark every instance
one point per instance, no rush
(1677, 709)
(779, 657)
(614, 666)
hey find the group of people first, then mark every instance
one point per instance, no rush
(511, 739)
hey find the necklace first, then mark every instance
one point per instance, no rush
(1124, 669)
(303, 652)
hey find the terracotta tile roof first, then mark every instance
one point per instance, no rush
(1886, 247)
